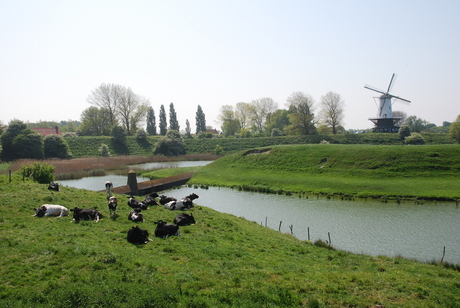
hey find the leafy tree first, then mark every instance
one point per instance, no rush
(416, 124)
(301, 114)
(163, 124)
(56, 146)
(170, 145)
(28, 144)
(242, 114)
(119, 137)
(15, 128)
(404, 131)
(279, 120)
(230, 125)
(151, 124)
(259, 112)
(188, 130)
(95, 122)
(332, 111)
(454, 129)
(200, 119)
(173, 123)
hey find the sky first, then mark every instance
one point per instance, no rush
(220, 52)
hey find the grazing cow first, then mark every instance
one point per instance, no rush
(113, 202)
(53, 186)
(184, 204)
(137, 235)
(108, 189)
(183, 219)
(86, 214)
(164, 229)
(136, 215)
(164, 199)
(150, 199)
(136, 204)
(51, 210)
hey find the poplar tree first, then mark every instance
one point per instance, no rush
(173, 124)
(200, 120)
(162, 121)
(151, 123)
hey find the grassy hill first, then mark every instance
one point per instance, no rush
(428, 171)
(222, 261)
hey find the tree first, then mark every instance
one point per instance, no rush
(242, 114)
(332, 110)
(119, 138)
(15, 128)
(279, 120)
(188, 130)
(132, 109)
(454, 129)
(415, 124)
(28, 144)
(55, 146)
(301, 114)
(230, 125)
(151, 124)
(95, 122)
(173, 123)
(170, 145)
(200, 120)
(400, 114)
(259, 112)
(163, 124)
(106, 96)
(404, 131)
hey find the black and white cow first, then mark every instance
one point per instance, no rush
(137, 235)
(113, 202)
(51, 210)
(108, 189)
(86, 214)
(53, 186)
(164, 229)
(150, 199)
(136, 204)
(183, 204)
(165, 199)
(136, 215)
(183, 219)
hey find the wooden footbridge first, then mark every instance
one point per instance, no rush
(148, 187)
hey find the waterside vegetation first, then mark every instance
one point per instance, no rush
(221, 261)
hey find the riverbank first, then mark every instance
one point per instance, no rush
(92, 265)
(428, 172)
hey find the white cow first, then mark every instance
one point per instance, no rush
(51, 210)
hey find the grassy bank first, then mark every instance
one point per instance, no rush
(426, 172)
(222, 261)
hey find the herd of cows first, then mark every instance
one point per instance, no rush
(135, 235)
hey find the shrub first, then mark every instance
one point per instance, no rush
(415, 139)
(104, 150)
(141, 134)
(170, 145)
(404, 132)
(56, 146)
(41, 173)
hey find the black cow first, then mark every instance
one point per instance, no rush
(86, 214)
(136, 204)
(113, 202)
(53, 186)
(164, 229)
(150, 199)
(164, 199)
(183, 219)
(136, 215)
(137, 235)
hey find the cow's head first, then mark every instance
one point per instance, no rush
(40, 212)
(193, 196)
(76, 213)
(113, 200)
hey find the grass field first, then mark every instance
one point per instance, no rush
(222, 261)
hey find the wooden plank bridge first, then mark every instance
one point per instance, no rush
(148, 187)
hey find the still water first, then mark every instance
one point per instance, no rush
(373, 228)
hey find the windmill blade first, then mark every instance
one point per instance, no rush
(392, 82)
(400, 98)
(374, 89)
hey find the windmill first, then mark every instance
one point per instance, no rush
(385, 123)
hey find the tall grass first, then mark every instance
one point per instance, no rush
(222, 261)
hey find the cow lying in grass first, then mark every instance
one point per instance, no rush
(51, 210)
(183, 219)
(137, 235)
(136, 215)
(164, 229)
(86, 214)
(183, 204)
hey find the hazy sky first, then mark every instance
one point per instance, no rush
(218, 52)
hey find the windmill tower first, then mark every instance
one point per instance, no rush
(386, 123)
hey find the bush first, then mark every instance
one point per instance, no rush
(104, 150)
(415, 139)
(56, 146)
(141, 134)
(170, 145)
(41, 173)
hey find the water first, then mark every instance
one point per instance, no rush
(178, 164)
(367, 227)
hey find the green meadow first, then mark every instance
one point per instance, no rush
(221, 261)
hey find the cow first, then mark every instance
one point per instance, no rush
(113, 202)
(136, 204)
(150, 199)
(53, 186)
(164, 229)
(136, 215)
(138, 236)
(86, 214)
(51, 210)
(164, 199)
(183, 219)
(108, 189)
(184, 204)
